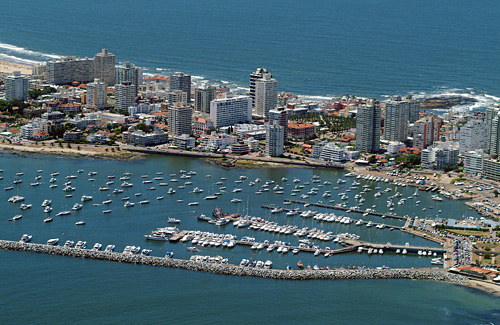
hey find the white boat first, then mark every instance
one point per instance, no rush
(127, 184)
(97, 247)
(53, 241)
(277, 210)
(144, 202)
(26, 238)
(48, 219)
(193, 203)
(129, 204)
(173, 220)
(171, 191)
(235, 200)
(63, 213)
(17, 217)
(76, 207)
(46, 203)
(86, 198)
(80, 223)
(110, 248)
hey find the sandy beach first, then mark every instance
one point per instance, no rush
(6, 68)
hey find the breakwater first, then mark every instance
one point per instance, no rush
(416, 274)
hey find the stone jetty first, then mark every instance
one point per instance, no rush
(416, 274)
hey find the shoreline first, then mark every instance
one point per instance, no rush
(8, 67)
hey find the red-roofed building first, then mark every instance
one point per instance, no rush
(408, 151)
(307, 148)
(300, 130)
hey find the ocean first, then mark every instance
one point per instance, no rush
(40, 288)
(314, 49)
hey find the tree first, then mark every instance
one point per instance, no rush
(496, 192)
(372, 159)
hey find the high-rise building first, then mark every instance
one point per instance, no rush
(104, 67)
(491, 114)
(176, 97)
(266, 95)
(179, 120)
(97, 94)
(396, 120)
(274, 140)
(281, 116)
(125, 95)
(257, 75)
(129, 72)
(202, 98)
(16, 86)
(231, 110)
(414, 109)
(473, 136)
(426, 131)
(368, 127)
(66, 70)
(181, 81)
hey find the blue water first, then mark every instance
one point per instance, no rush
(57, 289)
(312, 48)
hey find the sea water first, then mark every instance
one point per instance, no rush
(43, 288)
(314, 49)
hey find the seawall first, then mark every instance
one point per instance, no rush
(416, 274)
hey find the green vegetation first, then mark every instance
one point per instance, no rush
(7, 105)
(145, 128)
(34, 94)
(334, 124)
(408, 161)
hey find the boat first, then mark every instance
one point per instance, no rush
(26, 238)
(300, 265)
(171, 191)
(193, 203)
(110, 248)
(169, 255)
(77, 206)
(160, 197)
(173, 220)
(46, 203)
(106, 211)
(97, 247)
(235, 200)
(81, 244)
(126, 184)
(212, 197)
(128, 204)
(80, 223)
(48, 219)
(16, 199)
(179, 201)
(277, 210)
(63, 213)
(144, 202)
(107, 202)
(53, 241)
(69, 243)
(25, 206)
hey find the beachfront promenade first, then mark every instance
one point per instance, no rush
(436, 274)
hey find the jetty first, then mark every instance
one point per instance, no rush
(337, 207)
(437, 274)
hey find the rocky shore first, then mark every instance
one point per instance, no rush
(414, 274)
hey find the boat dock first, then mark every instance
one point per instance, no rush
(329, 206)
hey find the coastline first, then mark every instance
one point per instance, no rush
(71, 152)
(7, 67)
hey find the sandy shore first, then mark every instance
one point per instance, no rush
(490, 288)
(85, 151)
(7, 68)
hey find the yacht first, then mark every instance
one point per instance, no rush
(277, 210)
(97, 247)
(77, 206)
(212, 197)
(235, 200)
(173, 220)
(197, 190)
(80, 223)
(46, 203)
(63, 213)
(17, 217)
(26, 238)
(193, 203)
(127, 184)
(107, 202)
(128, 204)
(171, 191)
(144, 202)
(81, 244)
(69, 243)
(53, 241)
(48, 219)
(110, 248)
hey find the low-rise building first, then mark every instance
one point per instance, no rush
(72, 136)
(184, 142)
(240, 148)
(491, 169)
(147, 139)
(394, 147)
(300, 130)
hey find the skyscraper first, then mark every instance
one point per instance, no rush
(396, 120)
(281, 116)
(16, 86)
(129, 72)
(426, 131)
(96, 92)
(368, 127)
(125, 95)
(266, 95)
(257, 75)
(414, 109)
(104, 67)
(274, 140)
(179, 120)
(473, 136)
(202, 98)
(181, 81)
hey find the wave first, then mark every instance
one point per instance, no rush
(16, 59)
(482, 100)
(23, 51)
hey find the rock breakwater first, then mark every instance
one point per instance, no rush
(416, 274)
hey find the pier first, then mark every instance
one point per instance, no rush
(436, 274)
(329, 206)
